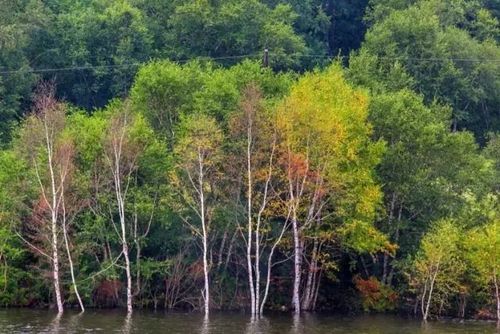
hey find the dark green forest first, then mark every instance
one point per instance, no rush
(256, 155)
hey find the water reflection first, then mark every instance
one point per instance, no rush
(297, 325)
(24, 321)
(55, 324)
(205, 325)
(127, 324)
(74, 321)
(257, 325)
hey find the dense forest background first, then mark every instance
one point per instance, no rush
(150, 157)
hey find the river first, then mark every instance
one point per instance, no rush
(16, 321)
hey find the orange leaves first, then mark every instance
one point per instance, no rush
(296, 165)
(375, 295)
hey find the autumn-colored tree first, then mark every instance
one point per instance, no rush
(254, 140)
(51, 156)
(329, 160)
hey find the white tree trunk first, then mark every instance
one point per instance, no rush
(270, 265)
(70, 260)
(497, 294)
(257, 269)
(311, 277)
(124, 242)
(129, 277)
(429, 297)
(55, 270)
(117, 146)
(249, 223)
(205, 233)
(297, 264)
(54, 213)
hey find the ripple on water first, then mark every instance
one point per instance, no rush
(26, 321)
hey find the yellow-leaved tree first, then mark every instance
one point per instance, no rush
(328, 159)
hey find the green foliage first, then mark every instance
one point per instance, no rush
(165, 91)
(234, 28)
(436, 271)
(405, 136)
(109, 36)
(426, 169)
(444, 61)
(325, 129)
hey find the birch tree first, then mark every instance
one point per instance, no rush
(483, 254)
(123, 148)
(51, 155)
(198, 153)
(255, 140)
(328, 161)
(437, 267)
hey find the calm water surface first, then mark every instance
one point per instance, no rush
(14, 321)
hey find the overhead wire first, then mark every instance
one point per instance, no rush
(317, 56)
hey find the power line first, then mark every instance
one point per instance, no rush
(486, 60)
(97, 67)
(314, 56)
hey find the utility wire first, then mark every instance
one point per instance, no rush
(97, 67)
(494, 60)
(314, 56)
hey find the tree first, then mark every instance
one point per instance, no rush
(492, 151)
(428, 43)
(15, 192)
(19, 23)
(329, 158)
(482, 250)
(47, 146)
(254, 147)
(425, 170)
(108, 41)
(165, 91)
(437, 268)
(198, 152)
(126, 140)
(483, 253)
(234, 29)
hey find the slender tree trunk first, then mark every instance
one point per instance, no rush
(138, 271)
(389, 223)
(257, 269)
(54, 212)
(269, 267)
(71, 266)
(55, 270)
(249, 217)
(125, 249)
(309, 290)
(429, 297)
(316, 291)
(129, 277)
(119, 175)
(205, 234)
(128, 271)
(121, 211)
(297, 263)
(249, 253)
(497, 295)
(259, 305)
(422, 299)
